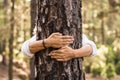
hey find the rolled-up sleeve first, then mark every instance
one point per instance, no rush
(86, 41)
(25, 47)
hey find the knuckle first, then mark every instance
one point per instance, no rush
(61, 40)
(62, 51)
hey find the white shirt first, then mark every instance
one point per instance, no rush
(85, 41)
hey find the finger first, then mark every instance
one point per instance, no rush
(54, 53)
(57, 46)
(64, 47)
(57, 57)
(57, 34)
(59, 51)
(62, 60)
(66, 43)
(67, 37)
(67, 40)
(51, 54)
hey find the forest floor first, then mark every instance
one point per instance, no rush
(20, 74)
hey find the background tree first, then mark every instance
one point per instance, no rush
(21, 33)
(11, 42)
(3, 43)
(3, 39)
(104, 17)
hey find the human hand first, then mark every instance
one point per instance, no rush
(57, 40)
(64, 54)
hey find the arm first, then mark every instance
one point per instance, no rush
(86, 42)
(25, 47)
(88, 48)
(84, 51)
(66, 53)
(37, 46)
(55, 40)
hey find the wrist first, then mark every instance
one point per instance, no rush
(75, 53)
(47, 43)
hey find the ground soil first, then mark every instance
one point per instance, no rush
(20, 74)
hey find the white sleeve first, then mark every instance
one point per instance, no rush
(86, 41)
(25, 47)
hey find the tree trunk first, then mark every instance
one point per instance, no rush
(4, 41)
(102, 31)
(93, 33)
(62, 16)
(33, 12)
(11, 42)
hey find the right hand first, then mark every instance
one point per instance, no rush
(57, 40)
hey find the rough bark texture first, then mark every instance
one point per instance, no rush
(62, 16)
(34, 13)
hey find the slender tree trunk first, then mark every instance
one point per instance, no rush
(102, 26)
(24, 30)
(34, 11)
(5, 11)
(102, 31)
(93, 35)
(11, 42)
(62, 16)
(5, 21)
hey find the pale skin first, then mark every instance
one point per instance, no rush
(65, 53)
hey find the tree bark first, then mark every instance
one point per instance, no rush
(62, 16)
(34, 13)
(10, 71)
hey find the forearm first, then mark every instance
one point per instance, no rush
(83, 51)
(55, 40)
(38, 45)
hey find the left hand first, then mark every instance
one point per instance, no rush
(63, 54)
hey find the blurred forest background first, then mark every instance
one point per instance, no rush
(101, 23)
